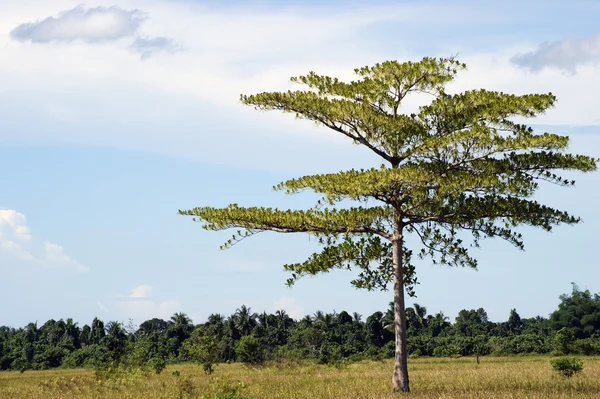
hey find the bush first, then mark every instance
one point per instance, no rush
(388, 350)
(563, 341)
(567, 366)
(157, 364)
(250, 350)
(88, 356)
(448, 350)
(587, 346)
(330, 353)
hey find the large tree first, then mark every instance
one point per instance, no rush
(460, 167)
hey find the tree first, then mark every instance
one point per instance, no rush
(580, 312)
(115, 340)
(457, 166)
(514, 322)
(472, 322)
(152, 326)
(244, 320)
(179, 329)
(97, 331)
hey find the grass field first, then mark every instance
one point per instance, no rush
(517, 377)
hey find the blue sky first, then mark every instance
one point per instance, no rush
(114, 114)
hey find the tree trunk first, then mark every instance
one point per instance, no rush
(400, 376)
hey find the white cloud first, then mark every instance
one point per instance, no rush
(102, 307)
(56, 257)
(95, 25)
(148, 46)
(80, 23)
(290, 306)
(188, 105)
(142, 310)
(16, 223)
(567, 54)
(17, 243)
(142, 291)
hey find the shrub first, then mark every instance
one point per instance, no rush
(567, 366)
(250, 350)
(330, 353)
(88, 356)
(448, 350)
(388, 350)
(587, 346)
(563, 341)
(157, 364)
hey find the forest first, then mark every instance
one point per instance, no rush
(325, 338)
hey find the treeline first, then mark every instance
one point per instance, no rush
(324, 337)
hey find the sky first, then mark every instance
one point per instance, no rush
(115, 114)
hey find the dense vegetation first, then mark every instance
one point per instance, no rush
(324, 338)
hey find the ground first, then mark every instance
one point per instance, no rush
(516, 377)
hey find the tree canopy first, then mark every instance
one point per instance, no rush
(324, 337)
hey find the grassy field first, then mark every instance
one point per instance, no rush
(518, 377)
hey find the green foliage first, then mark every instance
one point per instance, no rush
(335, 339)
(250, 350)
(521, 344)
(579, 312)
(157, 364)
(567, 366)
(564, 340)
(587, 346)
(330, 353)
(459, 163)
(88, 356)
(450, 350)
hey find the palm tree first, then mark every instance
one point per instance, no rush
(388, 318)
(421, 313)
(32, 332)
(216, 319)
(181, 319)
(263, 320)
(318, 316)
(72, 332)
(244, 320)
(181, 328)
(284, 320)
(115, 339)
(437, 323)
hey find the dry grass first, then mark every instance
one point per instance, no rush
(519, 377)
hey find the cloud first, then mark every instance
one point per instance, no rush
(95, 25)
(142, 310)
(56, 257)
(17, 244)
(188, 106)
(102, 307)
(90, 25)
(566, 54)
(290, 306)
(142, 291)
(138, 307)
(148, 46)
(16, 222)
